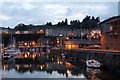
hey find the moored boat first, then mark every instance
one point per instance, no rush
(11, 52)
(93, 63)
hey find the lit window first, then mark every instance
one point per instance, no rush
(111, 28)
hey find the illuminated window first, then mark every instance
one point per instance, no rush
(68, 46)
(111, 28)
(40, 31)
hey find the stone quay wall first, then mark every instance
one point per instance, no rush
(110, 59)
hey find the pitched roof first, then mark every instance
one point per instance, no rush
(110, 19)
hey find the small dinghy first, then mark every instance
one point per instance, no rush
(93, 63)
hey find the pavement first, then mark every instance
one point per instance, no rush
(102, 50)
(98, 50)
(93, 50)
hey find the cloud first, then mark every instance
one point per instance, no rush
(60, 0)
(4, 17)
(28, 6)
(42, 12)
(19, 6)
(55, 9)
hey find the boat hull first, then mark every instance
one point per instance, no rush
(93, 64)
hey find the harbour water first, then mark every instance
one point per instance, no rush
(51, 65)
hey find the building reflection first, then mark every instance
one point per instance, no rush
(31, 62)
(49, 63)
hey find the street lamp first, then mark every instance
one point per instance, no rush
(92, 33)
(33, 43)
(81, 36)
(58, 41)
(25, 44)
(67, 38)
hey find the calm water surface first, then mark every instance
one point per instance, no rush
(44, 65)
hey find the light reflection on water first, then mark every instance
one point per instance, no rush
(50, 70)
(48, 66)
(39, 65)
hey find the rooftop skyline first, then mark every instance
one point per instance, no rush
(38, 13)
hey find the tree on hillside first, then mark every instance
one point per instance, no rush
(66, 21)
(23, 27)
(63, 23)
(87, 18)
(49, 23)
(90, 23)
(97, 19)
(75, 24)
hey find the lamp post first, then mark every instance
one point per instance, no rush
(81, 36)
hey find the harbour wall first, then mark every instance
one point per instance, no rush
(111, 60)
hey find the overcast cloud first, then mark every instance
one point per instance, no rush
(13, 13)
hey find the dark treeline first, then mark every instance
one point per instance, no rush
(90, 23)
(22, 26)
(87, 23)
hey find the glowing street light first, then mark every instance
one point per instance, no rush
(92, 34)
(58, 41)
(33, 43)
(67, 38)
(99, 32)
(25, 44)
(61, 35)
(41, 67)
(40, 31)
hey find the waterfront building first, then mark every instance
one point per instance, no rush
(44, 41)
(110, 38)
(59, 33)
(29, 29)
(66, 30)
(4, 30)
(94, 36)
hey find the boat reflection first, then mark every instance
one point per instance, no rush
(92, 73)
(92, 70)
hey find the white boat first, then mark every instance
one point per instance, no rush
(13, 51)
(10, 53)
(93, 63)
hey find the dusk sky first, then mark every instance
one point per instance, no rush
(38, 13)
